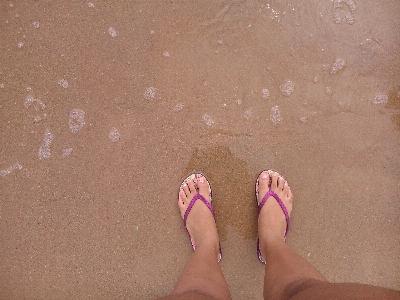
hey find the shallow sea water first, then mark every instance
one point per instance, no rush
(105, 109)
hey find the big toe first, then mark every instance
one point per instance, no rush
(203, 186)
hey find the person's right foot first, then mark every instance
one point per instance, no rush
(271, 220)
(200, 222)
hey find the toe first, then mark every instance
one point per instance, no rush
(281, 183)
(191, 187)
(186, 189)
(203, 186)
(183, 201)
(263, 182)
(274, 183)
(287, 191)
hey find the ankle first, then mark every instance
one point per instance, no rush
(270, 239)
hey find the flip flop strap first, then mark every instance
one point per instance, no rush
(194, 199)
(273, 194)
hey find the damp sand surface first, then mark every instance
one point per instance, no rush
(105, 107)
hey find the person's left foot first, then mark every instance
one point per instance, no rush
(200, 221)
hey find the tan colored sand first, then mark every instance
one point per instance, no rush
(98, 218)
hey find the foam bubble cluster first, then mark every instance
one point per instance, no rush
(247, 114)
(337, 65)
(36, 24)
(343, 11)
(166, 54)
(342, 3)
(287, 88)
(178, 107)
(275, 115)
(150, 93)
(207, 120)
(76, 120)
(66, 152)
(380, 99)
(112, 32)
(63, 83)
(265, 93)
(29, 100)
(8, 171)
(44, 151)
(114, 135)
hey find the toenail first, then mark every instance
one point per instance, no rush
(201, 180)
(264, 176)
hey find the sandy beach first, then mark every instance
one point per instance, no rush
(106, 106)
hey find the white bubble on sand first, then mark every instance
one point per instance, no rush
(112, 32)
(44, 151)
(20, 44)
(8, 171)
(247, 114)
(76, 120)
(341, 3)
(90, 4)
(275, 115)
(351, 4)
(328, 90)
(114, 135)
(207, 120)
(337, 65)
(63, 83)
(380, 98)
(349, 19)
(304, 119)
(66, 152)
(179, 107)
(166, 54)
(29, 100)
(1, 85)
(287, 88)
(150, 93)
(337, 18)
(343, 11)
(36, 24)
(265, 93)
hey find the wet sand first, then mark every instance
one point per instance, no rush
(105, 108)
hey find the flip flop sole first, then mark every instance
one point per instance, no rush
(194, 177)
(264, 200)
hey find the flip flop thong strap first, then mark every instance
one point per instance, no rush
(192, 202)
(273, 194)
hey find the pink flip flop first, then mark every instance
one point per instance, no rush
(196, 197)
(264, 200)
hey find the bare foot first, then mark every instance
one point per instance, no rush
(200, 221)
(272, 221)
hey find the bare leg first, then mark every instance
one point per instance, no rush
(202, 277)
(287, 274)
